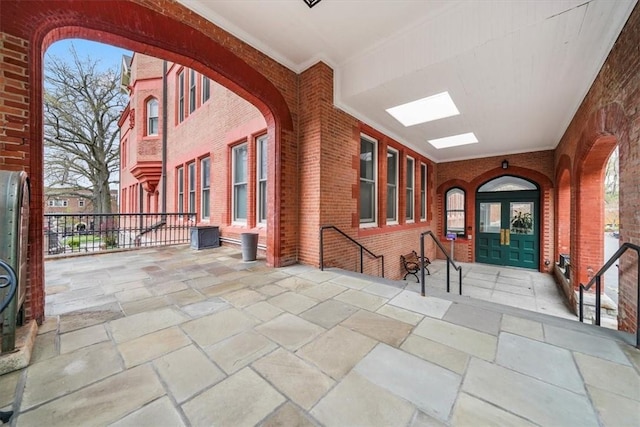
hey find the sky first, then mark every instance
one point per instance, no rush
(109, 56)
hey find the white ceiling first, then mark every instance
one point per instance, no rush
(516, 69)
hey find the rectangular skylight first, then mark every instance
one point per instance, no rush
(454, 141)
(425, 110)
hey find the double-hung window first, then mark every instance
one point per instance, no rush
(368, 175)
(181, 97)
(455, 212)
(410, 173)
(192, 91)
(206, 89)
(180, 184)
(205, 196)
(261, 144)
(192, 186)
(152, 116)
(423, 192)
(239, 157)
(392, 185)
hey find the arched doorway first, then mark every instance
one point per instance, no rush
(508, 222)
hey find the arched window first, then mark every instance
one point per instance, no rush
(507, 183)
(152, 116)
(455, 212)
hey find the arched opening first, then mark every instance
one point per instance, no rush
(563, 212)
(508, 222)
(181, 37)
(611, 222)
(590, 210)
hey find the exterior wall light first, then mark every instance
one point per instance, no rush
(505, 164)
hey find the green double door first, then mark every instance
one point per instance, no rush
(507, 228)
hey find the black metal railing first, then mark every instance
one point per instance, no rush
(69, 233)
(597, 280)
(450, 262)
(362, 248)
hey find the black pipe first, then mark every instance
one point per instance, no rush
(164, 138)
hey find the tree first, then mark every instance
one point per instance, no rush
(82, 105)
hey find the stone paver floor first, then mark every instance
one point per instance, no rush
(177, 337)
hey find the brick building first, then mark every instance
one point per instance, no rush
(62, 201)
(324, 165)
(210, 130)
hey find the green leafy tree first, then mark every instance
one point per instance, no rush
(82, 105)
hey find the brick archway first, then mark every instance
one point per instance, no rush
(564, 211)
(163, 29)
(606, 128)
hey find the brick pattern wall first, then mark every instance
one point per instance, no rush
(608, 115)
(15, 134)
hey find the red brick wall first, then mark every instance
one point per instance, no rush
(329, 185)
(471, 174)
(210, 131)
(609, 114)
(15, 132)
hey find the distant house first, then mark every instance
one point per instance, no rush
(59, 201)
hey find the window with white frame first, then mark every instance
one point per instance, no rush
(455, 212)
(81, 203)
(180, 189)
(192, 91)
(239, 156)
(152, 116)
(423, 192)
(392, 185)
(410, 173)
(206, 89)
(205, 196)
(191, 178)
(181, 97)
(368, 176)
(58, 203)
(261, 169)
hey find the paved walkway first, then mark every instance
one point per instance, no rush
(172, 337)
(515, 287)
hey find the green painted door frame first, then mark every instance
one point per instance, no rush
(508, 228)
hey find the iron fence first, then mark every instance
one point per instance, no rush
(69, 233)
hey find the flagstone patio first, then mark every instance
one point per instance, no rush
(178, 337)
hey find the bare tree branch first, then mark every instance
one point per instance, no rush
(82, 105)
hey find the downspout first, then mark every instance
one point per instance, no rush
(164, 141)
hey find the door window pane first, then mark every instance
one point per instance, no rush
(522, 217)
(490, 217)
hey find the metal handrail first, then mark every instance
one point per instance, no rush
(362, 248)
(597, 279)
(450, 261)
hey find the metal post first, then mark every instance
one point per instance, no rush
(361, 260)
(598, 286)
(448, 272)
(581, 309)
(638, 304)
(321, 249)
(460, 281)
(422, 292)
